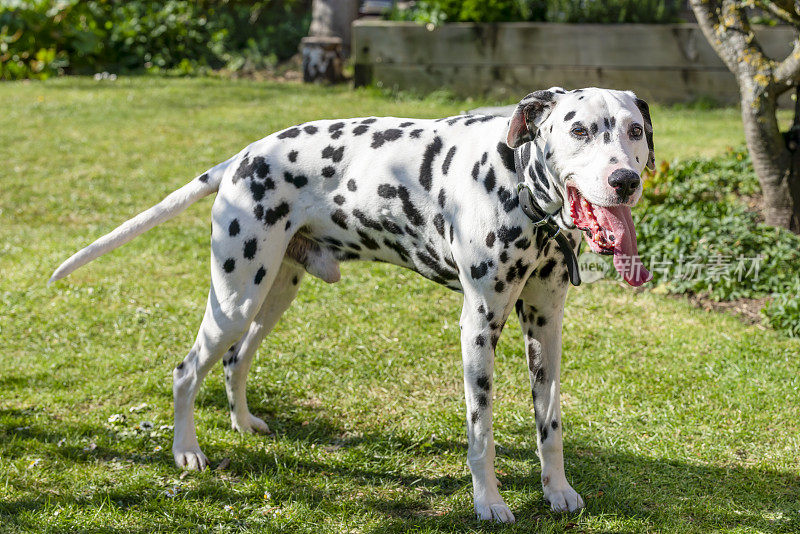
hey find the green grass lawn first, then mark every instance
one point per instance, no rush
(676, 419)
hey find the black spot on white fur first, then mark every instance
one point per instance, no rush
(410, 210)
(483, 382)
(255, 168)
(508, 200)
(507, 156)
(508, 235)
(297, 181)
(426, 168)
(490, 180)
(547, 269)
(380, 138)
(447, 160)
(273, 215)
(289, 134)
(250, 248)
(334, 154)
(479, 271)
(387, 191)
(340, 218)
(259, 189)
(367, 221)
(438, 223)
(259, 275)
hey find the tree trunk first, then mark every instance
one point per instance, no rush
(772, 161)
(761, 81)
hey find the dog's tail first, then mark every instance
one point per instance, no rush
(172, 205)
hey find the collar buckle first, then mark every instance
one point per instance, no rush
(539, 219)
(544, 219)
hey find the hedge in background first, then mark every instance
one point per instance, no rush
(583, 11)
(614, 11)
(39, 38)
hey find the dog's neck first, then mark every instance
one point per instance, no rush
(533, 169)
(542, 204)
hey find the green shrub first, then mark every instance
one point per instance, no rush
(613, 11)
(783, 312)
(609, 11)
(699, 237)
(33, 35)
(39, 38)
(441, 11)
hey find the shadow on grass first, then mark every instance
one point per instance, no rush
(364, 479)
(653, 492)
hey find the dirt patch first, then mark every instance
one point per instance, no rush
(748, 310)
(290, 70)
(755, 204)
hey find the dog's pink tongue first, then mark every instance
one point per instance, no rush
(626, 253)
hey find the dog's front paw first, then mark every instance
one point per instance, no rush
(248, 424)
(563, 498)
(494, 511)
(192, 459)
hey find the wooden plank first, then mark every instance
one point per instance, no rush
(665, 63)
(642, 46)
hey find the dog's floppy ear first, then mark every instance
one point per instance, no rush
(648, 131)
(530, 113)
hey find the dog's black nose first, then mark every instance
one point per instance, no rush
(624, 181)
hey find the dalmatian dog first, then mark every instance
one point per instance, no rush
(438, 197)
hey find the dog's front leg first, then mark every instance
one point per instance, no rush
(479, 332)
(540, 312)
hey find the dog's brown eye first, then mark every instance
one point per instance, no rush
(579, 132)
(636, 131)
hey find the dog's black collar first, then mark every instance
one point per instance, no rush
(544, 221)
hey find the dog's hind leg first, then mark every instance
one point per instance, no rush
(237, 361)
(242, 272)
(221, 327)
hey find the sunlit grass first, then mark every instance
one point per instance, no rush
(676, 420)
